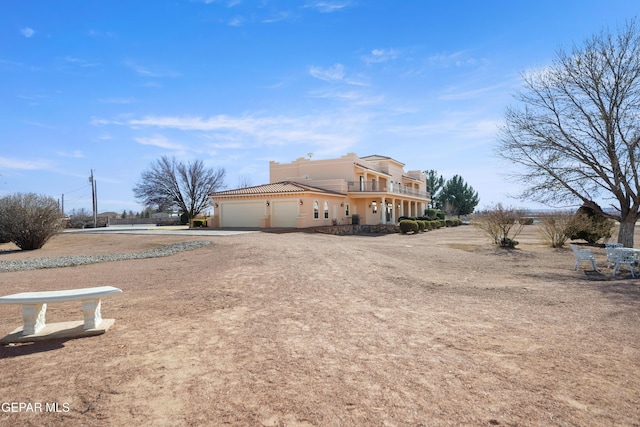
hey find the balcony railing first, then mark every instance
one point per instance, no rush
(371, 187)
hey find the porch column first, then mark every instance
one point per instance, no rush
(401, 207)
(383, 211)
(393, 211)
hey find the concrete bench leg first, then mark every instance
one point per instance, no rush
(34, 318)
(92, 315)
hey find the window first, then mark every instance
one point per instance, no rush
(326, 210)
(362, 183)
(316, 210)
(391, 186)
(374, 207)
(346, 209)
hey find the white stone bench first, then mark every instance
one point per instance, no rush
(34, 306)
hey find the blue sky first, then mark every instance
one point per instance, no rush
(111, 86)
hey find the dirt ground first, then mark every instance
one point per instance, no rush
(298, 329)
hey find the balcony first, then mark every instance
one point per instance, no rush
(376, 187)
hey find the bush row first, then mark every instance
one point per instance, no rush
(408, 225)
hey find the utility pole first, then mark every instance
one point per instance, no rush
(94, 202)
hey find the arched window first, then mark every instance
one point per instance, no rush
(316, 210)
(326, 210)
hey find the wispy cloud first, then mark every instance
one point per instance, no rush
(332, 132)
(335, 74)
(76, 154)
(150, 72)
(460, 127)
(9, 64)
(101, 34)
(128, 100)
(80, 62)
(24, 164)
(380, 55)
(27, 32)
(453, 95)
(160, 141)
(354, 98)
(237, 21)
(328, 6)
(277, 17)
(227, 3)
(457, 59)
(38, 124)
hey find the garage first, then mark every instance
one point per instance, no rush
(284, 213)
(242, 214)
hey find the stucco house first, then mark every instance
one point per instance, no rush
(308, 193)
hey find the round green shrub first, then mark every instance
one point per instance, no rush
(407, 225)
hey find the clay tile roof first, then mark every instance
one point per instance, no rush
(284, 187)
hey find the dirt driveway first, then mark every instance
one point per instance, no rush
(438, 329)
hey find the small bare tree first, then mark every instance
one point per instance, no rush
(29, 220)
(169, 183)
(245, 181)
(501, 224)
(556, 227)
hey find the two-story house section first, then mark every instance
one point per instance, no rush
(307, 193)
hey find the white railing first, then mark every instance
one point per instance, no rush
(376, 187)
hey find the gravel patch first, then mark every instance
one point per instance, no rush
(69, 261)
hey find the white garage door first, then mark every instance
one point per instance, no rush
(284, 213)
(241, 214)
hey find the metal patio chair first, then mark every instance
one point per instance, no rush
(622, 256)
(610, 249)
(583, 255)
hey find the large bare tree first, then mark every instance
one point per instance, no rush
(575, 136)
(169, 183)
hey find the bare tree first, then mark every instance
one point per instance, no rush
(169, 183)
(245, 181)
(576, 139)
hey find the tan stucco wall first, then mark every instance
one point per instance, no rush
(340, 168)
(324, 173)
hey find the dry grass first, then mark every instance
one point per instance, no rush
(300, 329)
